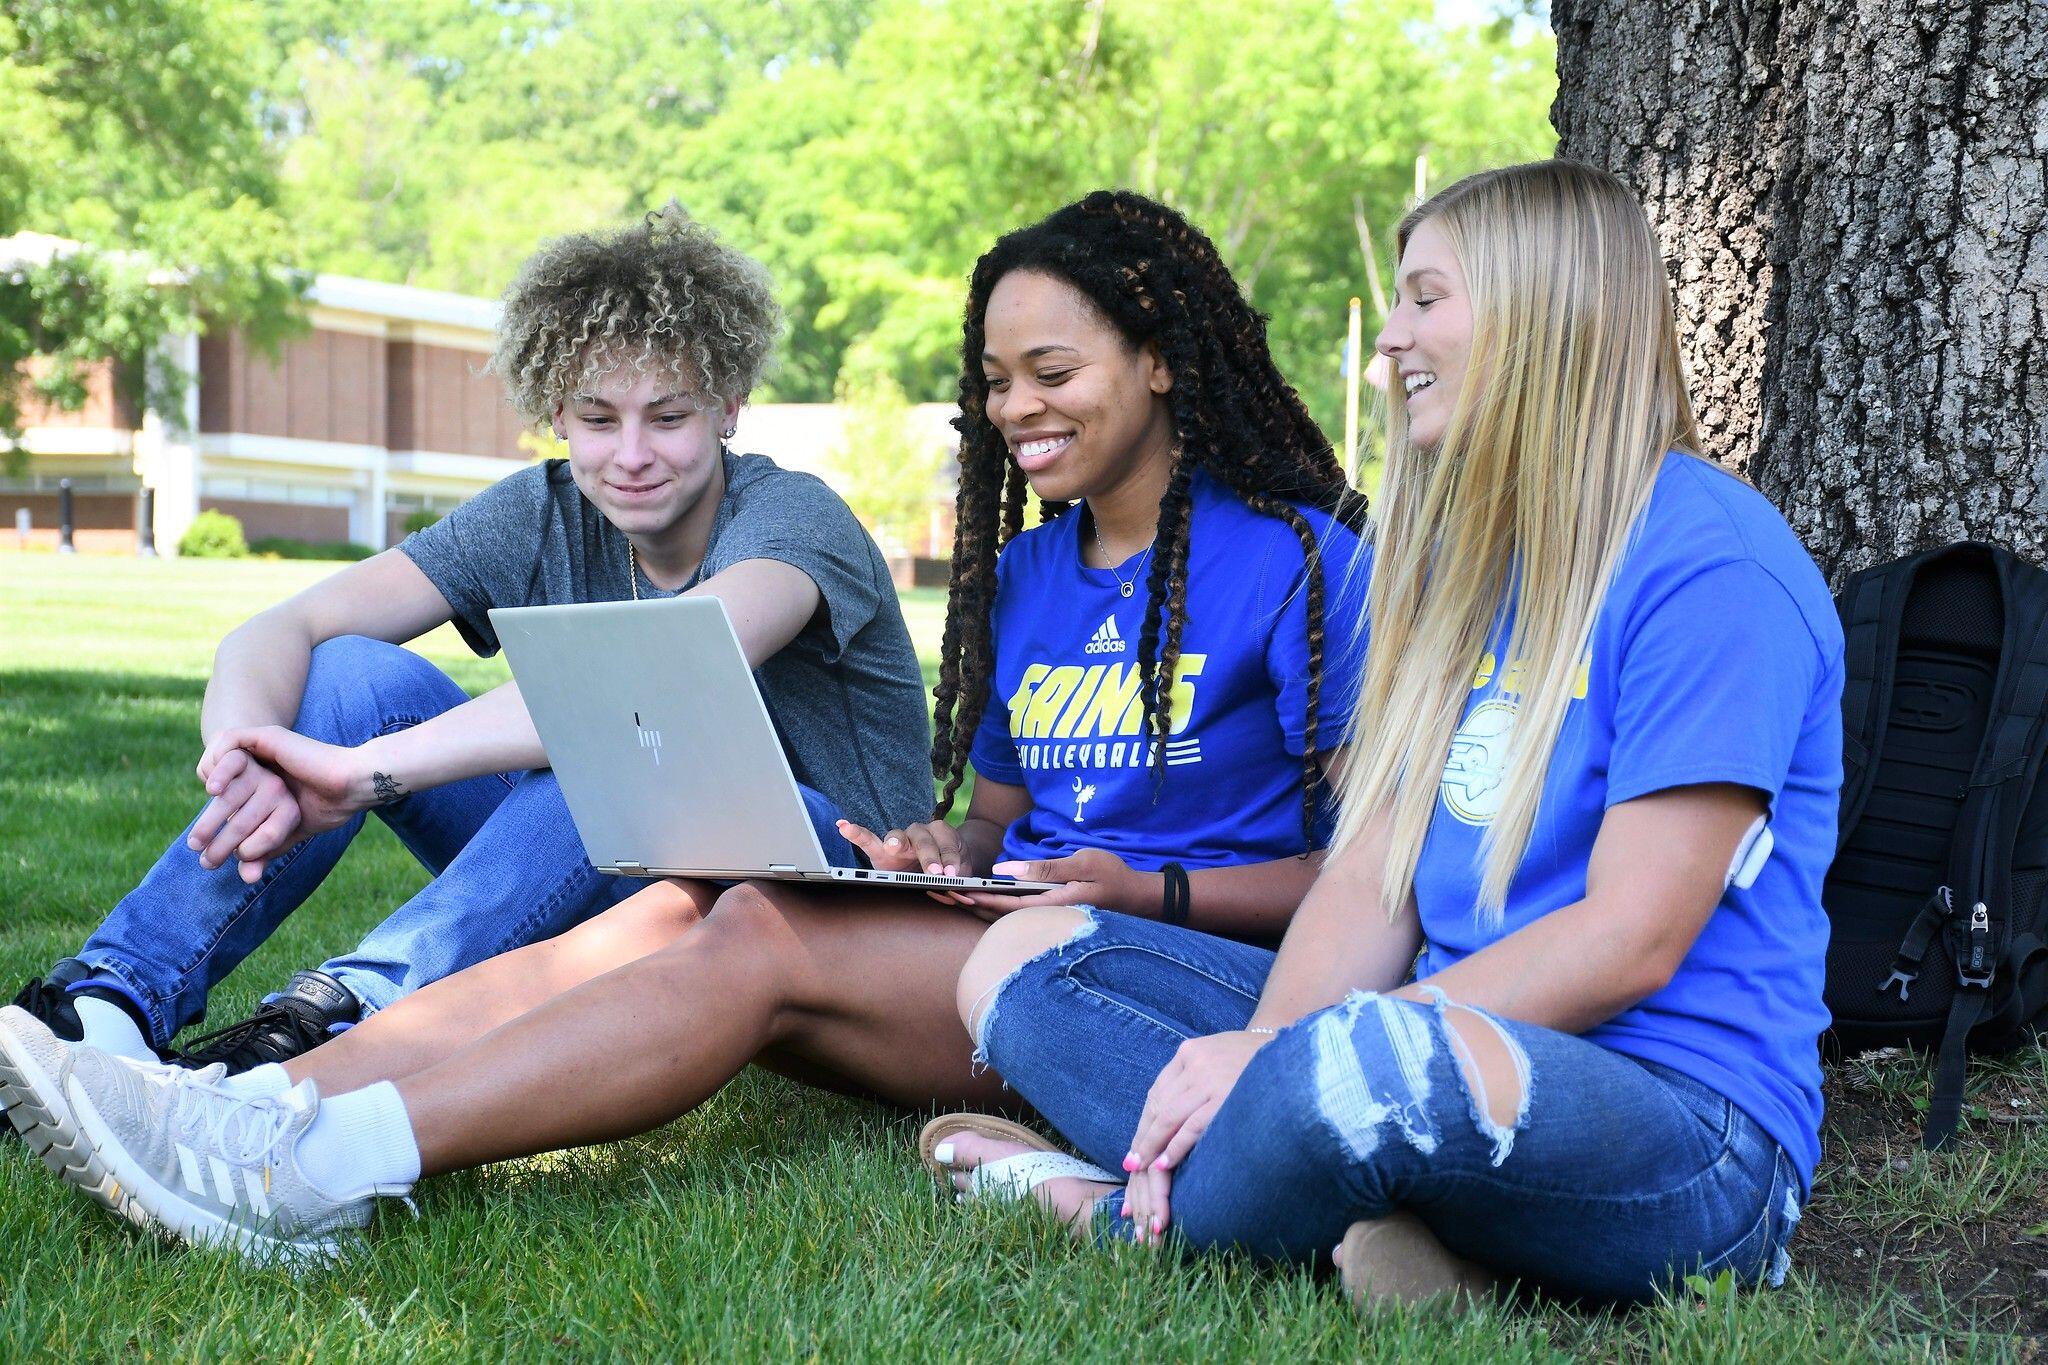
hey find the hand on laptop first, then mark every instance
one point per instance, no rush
(933, 846)
(1093, 876)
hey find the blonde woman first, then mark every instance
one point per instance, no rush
(1621, 674)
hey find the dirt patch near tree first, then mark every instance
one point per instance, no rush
(1963, 1235)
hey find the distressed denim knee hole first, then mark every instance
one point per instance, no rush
(1357, 1106)
(1500, 1105)
(981, 1015)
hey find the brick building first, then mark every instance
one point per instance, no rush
(378, 410)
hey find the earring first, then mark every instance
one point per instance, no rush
(729, 432)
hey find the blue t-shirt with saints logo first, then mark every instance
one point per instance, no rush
(1064, 720)
(1716, 657)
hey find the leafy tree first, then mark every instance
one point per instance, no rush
(1276, 124)
(435, 143)
(868, 150)
(131, 129)
(888, 472)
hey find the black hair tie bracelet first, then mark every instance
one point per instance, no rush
(1177, 899)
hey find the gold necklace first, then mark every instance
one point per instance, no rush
(633, 570)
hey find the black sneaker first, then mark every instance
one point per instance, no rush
(312, 1008)
(49, 999)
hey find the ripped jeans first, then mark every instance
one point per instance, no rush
(1615, 1176)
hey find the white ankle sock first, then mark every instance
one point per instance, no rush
(267, 1079)
(109, 1028)
(359, 1142)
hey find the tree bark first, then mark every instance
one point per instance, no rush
(1851, 195)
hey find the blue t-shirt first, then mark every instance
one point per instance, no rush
(1716, 657)
(1064, 719)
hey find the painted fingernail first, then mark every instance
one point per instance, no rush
(1131, 1162)
(943, 1154)
(1155, 1226)
(1160, 1164)
(1125, 1210)
(892, 841)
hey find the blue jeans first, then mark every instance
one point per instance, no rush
(508, 868)
(1617, 1177)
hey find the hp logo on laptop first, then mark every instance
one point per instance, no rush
(649, 739)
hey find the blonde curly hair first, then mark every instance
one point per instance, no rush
(663, 297)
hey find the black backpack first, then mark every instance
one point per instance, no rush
(1938, 897)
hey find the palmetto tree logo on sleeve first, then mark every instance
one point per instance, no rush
(1084, 792)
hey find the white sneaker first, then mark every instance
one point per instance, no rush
(32, 1064)
(207, 1166)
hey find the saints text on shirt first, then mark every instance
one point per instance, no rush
(1074, 716)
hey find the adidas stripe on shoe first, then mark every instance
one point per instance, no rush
(207, 1166)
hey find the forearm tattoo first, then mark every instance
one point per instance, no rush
(387, 787)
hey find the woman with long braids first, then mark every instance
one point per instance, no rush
(1149, 684)
(1602, 698)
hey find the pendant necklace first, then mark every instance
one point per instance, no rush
(1125, 586)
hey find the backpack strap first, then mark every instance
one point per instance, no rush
(1871, 608)
(1981, 852)
(2013, 748)
(1945, 1103)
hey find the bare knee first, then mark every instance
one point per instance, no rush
(762, 915)
(1493, 1065)
(646, 922)
(1011, 942)
(661, 912)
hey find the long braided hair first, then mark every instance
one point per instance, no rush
(1158, 279)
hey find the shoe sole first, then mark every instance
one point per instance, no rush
(44, 1122)
(155, 1205)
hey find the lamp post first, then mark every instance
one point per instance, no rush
(64, 545)
(145, 532)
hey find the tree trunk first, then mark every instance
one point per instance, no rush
(1851, 195)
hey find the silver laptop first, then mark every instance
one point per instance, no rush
(665, 752)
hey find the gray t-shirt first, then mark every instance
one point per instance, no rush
(846, 695)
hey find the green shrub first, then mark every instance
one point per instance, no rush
(283, 547)
(420, 520)
(213, 534)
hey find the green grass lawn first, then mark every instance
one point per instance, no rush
(777, 1222)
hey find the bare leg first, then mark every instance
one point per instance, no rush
(440, 1019)
(858, 986)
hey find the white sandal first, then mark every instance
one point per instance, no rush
(1009, 1179)
(1015, 1177)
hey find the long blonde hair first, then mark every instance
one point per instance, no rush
(1573, 393)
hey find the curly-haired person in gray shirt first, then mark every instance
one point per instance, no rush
(638, 347)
